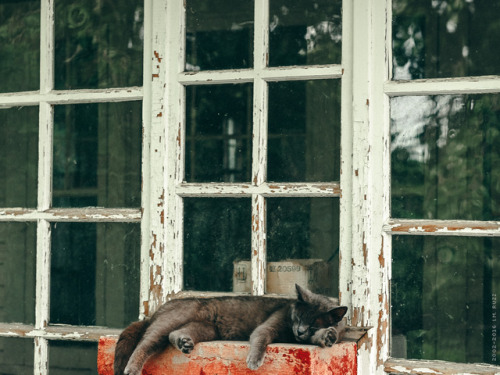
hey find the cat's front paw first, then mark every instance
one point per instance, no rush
(185, 344)
(254, 360)
(132, 370)
(326, 337)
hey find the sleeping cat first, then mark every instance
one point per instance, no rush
(310, 319)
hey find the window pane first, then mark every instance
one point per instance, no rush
(97, 155)
(444, 298)
(17, 272)
(219, 133)
(217, 233)
(98, 43)
(304, 131)
(219, 34)
(72, 358)
(305, 32)
(16, 356)
(445, 157)
(304, 231)
(19, 45)
(433, 39)
(18, 157)
(95, 273)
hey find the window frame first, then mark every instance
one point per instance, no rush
(364, 193)
(43, 215)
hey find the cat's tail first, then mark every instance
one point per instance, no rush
(126, 344)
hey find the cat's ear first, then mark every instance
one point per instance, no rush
(338, 313)
(303, 294)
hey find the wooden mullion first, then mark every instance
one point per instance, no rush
(443, 227)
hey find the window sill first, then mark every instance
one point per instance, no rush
(229, 357)
(421, 367)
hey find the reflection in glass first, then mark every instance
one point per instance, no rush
(306, 228)
(434, 39)
(98, 43)
(17, 272)
(219, 133)
(16, 356)
(18, 157)
(219, 34)
(217, 233)
(444, 295)
(305, 32)
(97, 155)
(68, 357)
(445, 157)
(95, 273)
(304, 131)
(19, 45)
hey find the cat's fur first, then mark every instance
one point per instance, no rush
(311, 319)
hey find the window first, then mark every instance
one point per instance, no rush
(70, 170)
(158, 149)
(444, 181)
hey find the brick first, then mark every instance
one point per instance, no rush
(229, 358)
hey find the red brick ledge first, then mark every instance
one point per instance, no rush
(229, 358)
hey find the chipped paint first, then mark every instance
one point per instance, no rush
(448, 228)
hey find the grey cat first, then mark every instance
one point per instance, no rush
(310, 318)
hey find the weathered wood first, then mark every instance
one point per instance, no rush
(420, 367)
(443, 227)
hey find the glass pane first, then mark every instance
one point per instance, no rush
(72, 358)
(19, 45)
(445, 157)
(305, 32)
(304, 131)
(17, 272)
(95, 274)
(217, 235)
(16, 356)
(303, 242)
(18, 157)
(219, 34)
(219, 133)
(98, 43)
(434, 39)
(97, 155)
(444, 298)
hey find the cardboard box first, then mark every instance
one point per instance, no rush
(281, 277)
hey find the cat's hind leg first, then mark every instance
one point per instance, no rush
(169, 318)
(192, 333)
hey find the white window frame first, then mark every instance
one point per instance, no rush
(43, 215)
(364, 188)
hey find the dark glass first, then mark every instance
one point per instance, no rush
(304, 32)
(305, 229)
(18, 157)
(98, 44)
(95, 274)
(219, 133)
(304, 131)
(444, 298)
(445, 157)
(436, 39)
(16, 356)
(68, 358)
(97, 155)
(219, 34)
(17, 272)
(217, 234)
(19, 45)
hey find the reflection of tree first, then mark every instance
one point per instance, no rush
(442, 287)
(444, 38)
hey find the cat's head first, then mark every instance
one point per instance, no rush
(312, 312)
